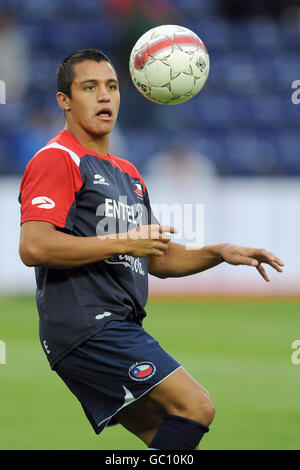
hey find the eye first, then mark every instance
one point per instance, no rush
(89, 87)
(113, 86)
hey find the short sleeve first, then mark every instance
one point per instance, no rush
(48, 188)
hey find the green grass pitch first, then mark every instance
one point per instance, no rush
(239, 350)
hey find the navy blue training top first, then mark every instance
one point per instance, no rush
(85, 194)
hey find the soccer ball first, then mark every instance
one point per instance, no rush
(169, 64)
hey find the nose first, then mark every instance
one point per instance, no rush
(103, 95)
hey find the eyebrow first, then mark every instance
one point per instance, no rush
(94, 80)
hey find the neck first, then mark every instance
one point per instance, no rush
(96, 143)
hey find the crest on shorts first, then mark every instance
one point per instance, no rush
(142, 370)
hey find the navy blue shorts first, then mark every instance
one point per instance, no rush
(113, 369)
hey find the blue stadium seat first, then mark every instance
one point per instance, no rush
(287, 69)
(291, 111)
(142, 145)
(214, 32)
(214, 110)
(290, 35)
(257, 111)
(236, 73)
(289, 148)
(48, 9)
(249, 155)
(263, 34)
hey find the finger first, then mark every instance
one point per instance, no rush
(264, 256)
(263, 273)
(275, 266)
(158, 232)
(153, 231)
(156, 252)
(164, 237)
(246, 261)
(278, 261)
(161, 246)
(271, 258)
(167, 228)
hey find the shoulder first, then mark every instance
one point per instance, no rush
(54, 152)
(53, 164)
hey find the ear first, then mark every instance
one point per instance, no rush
(63, 101)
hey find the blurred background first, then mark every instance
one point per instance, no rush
(234, 148)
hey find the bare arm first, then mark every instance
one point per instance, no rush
(42, 245)
(178, 261)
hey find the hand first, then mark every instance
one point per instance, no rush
(234, 254)
(148, 240)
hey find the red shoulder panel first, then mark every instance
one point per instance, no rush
(48, 186)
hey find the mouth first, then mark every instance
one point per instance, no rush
(104, 114)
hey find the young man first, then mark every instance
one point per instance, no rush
(88, 229)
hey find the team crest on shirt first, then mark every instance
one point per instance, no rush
(139, 190)
(142, 370)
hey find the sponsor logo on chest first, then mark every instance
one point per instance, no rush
(120, 210)
(99, 179)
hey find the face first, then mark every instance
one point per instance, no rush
(95, 97)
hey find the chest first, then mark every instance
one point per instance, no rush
(109, 192)
(102, 180)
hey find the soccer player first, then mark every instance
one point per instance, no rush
(88, 229)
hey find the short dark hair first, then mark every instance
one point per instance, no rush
(65, 74)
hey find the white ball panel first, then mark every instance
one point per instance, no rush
(182, 99)
(179, 61)
(161, 93)
(168, 29)
(182, 84)
(157, 73)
